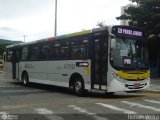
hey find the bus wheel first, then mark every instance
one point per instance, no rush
(78, 87)
(25, 79)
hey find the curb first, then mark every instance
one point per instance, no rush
(1, 71)
(155, 91)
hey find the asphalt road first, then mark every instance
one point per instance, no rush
(43, 102)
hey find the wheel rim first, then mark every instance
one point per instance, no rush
(25, 80)
(78, 86)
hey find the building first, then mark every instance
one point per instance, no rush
(123, 8)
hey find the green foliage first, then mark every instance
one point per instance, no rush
(2, 48)
(145, 15)
(4, 43)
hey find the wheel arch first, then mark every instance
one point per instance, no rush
(73, 78)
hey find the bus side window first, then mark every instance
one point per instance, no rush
(64, 50)
(79, 49)
(75, 52)
(44, 52)
(9, 55)
(24, 53)
(57, 50)
(50, 50)
(35, 52)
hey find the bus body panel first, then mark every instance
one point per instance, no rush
(57, 72)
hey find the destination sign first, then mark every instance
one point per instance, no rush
(127, 30)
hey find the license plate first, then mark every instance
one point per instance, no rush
(137, 85)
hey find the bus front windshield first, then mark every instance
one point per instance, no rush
(128, 53)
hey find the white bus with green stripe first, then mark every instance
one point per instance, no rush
(109, 59)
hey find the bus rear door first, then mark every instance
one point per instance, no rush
(15, 63)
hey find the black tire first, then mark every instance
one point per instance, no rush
(25, 79)
(78, 87)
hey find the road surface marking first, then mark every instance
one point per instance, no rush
(140, 105)
(117, 108)
(81, 110)
(6, 86)
(154, 90)
(48, 113)
(43, 111)
(152, 101)
(18, 91)
(84, 111)
(3, 113)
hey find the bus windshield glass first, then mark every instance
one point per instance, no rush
(128, 53)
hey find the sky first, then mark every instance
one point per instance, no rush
(35, 18)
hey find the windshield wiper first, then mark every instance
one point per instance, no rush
(130, 53)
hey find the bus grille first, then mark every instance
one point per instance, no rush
(135, 86)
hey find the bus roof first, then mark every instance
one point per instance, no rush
(60, 37)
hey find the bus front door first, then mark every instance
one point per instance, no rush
(100, 63)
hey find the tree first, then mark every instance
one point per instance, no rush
(2, 48)
(146, 15)
(101, 24)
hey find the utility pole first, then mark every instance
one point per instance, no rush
(55, 26)
(24, 38)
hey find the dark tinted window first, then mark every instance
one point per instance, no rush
(34, 52)
(79, 49)
(24, 53)
(9, 55)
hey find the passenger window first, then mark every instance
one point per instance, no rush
(79, 49)
(24, 53)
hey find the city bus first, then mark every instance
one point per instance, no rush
(109, 59)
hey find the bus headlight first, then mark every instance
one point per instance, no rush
(148, 79)
(116, 76)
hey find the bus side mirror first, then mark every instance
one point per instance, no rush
(113, 43)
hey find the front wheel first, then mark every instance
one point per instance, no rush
(78, 87)
(25, 79)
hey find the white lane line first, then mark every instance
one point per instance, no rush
(3, 113)
(154, 90)
(6, 86)
(19, 91)
(117, 108)
(141, 106)
(81, 110)
(43, 111)
(152, 101)
(50, 115)
(84, 111)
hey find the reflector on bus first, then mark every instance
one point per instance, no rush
(51, 38)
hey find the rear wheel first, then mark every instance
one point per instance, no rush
(25, 79)
(78, 87)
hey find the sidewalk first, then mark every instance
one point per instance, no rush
(1, 72)
(155, 85)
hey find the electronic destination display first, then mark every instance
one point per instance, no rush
(127, 30)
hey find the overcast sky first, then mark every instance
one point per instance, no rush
(35, 18)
